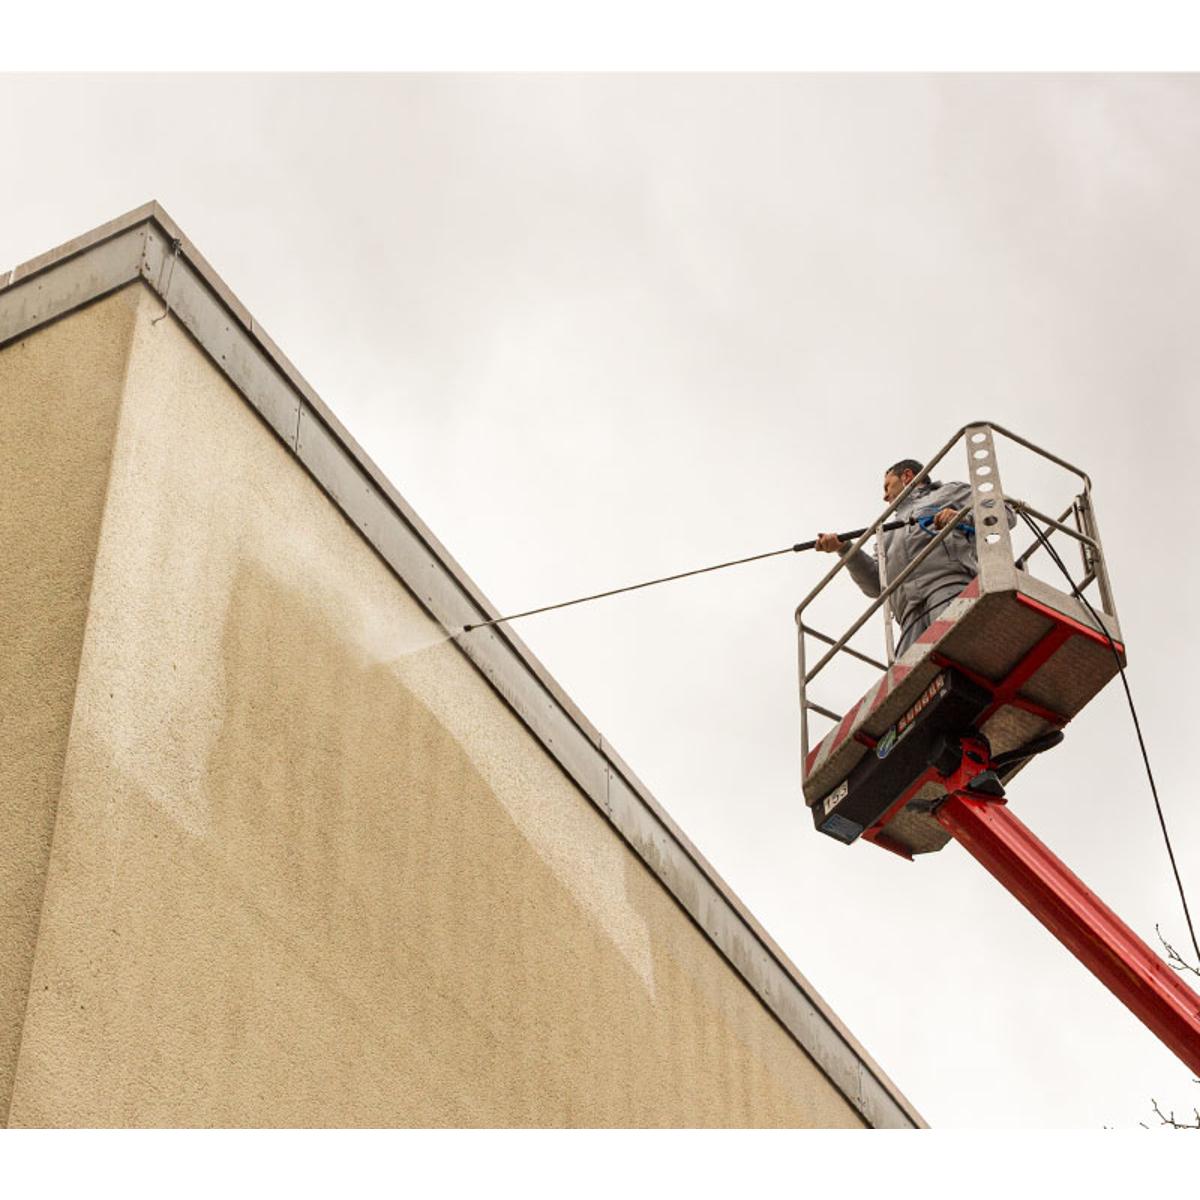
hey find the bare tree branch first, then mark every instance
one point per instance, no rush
(1176, 960)
(1169, 1118)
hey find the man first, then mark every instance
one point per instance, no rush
(917, 602)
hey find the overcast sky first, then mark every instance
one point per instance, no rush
(601, 328)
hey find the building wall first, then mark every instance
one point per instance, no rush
(59, 393)
(309, 869)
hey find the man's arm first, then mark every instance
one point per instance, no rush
(952, 497)
(863, 567)
(945, 502)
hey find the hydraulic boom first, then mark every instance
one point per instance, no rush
(1146, 985)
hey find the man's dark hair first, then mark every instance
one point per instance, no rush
(911, 464)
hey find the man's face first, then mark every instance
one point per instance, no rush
(893, 484)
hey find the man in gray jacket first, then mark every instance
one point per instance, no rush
(918, 601)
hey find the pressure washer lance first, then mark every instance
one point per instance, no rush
(737, 562)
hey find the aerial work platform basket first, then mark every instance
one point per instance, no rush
(1009, 662)
(925, 755)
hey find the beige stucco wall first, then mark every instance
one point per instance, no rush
(308, 869)
(59, 393)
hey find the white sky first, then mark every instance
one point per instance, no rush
(600, 328)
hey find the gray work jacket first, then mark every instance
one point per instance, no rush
(942, 575)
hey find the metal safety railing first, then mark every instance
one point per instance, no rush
(993, 547)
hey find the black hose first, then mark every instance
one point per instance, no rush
(737, 562)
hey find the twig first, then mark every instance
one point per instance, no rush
(1169, 1118)
(1176, 960)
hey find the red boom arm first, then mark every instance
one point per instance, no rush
(1079, 919)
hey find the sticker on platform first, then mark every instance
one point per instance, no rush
(902, 727)
(835, 797)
